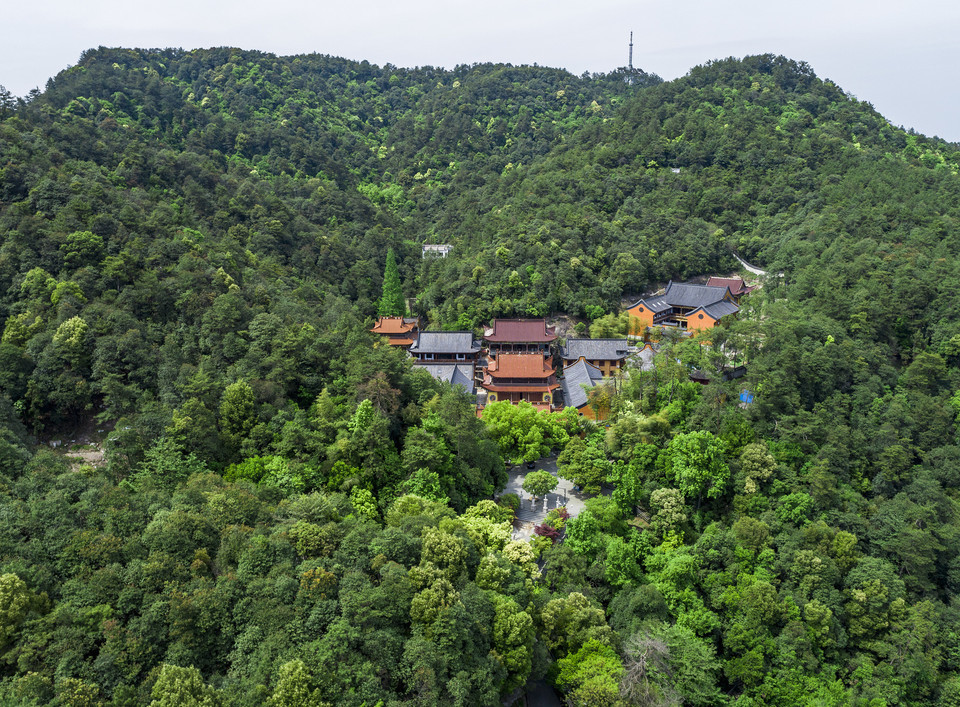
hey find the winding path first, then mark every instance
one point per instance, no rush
(748, 267)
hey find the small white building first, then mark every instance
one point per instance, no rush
(439, 250)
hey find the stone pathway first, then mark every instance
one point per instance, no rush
(752, 268)
(748, 267)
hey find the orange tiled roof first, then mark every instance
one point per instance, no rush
(520, 366)
(393, 325)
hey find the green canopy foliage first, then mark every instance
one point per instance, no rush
(391, 302)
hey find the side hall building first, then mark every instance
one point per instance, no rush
(738, 287)
(400, 331)
(607, 355)
(450, 356)
(453, 373)
(694, 307)
(578, 379)
(444, 347)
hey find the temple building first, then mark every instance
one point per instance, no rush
(607, 355)
(441, 250)
(453, 373)
(445, 347)
(517, 377)
(738, 288)
(400, 331)
(519, 336)
(685, 306)
(578, 378)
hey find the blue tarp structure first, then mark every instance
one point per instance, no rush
(746, 397)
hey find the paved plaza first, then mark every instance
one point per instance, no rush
(532, 513)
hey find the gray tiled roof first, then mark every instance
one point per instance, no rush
(596, 349)
(452, 373)
(680, 294)
(575, 377)
(683, 295)
(655, 304)
(646, 358)
(456, 342)
(721, 309)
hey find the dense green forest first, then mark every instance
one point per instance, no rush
(192, 250)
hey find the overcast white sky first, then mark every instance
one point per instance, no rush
(903, 57)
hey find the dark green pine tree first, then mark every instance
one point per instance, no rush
(391, 302)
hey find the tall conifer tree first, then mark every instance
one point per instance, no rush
(391, 302)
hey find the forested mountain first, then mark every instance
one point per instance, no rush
(192, 245)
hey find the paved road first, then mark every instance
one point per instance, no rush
(748, 267)
(531, 513)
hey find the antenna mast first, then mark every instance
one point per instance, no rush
(630, 64)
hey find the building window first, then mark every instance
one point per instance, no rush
(428, 357)
(461, 357)
(699, 316)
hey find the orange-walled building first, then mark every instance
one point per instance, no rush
(683, 306)
(708, 316)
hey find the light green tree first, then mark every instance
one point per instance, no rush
(445, 551)
(236, 414)
(71, 337)
(430, 602)
(364, 503)
(539, 483)
(182, 687)
(757, 465)
(591, 675)
(16, 601)
(696, 464)
(513, 638)
(73, 692)
(669, 512)
(166, 463)
(82, 248)
(610, 326)
(294, 687)
(585, 463)
(570, 621)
